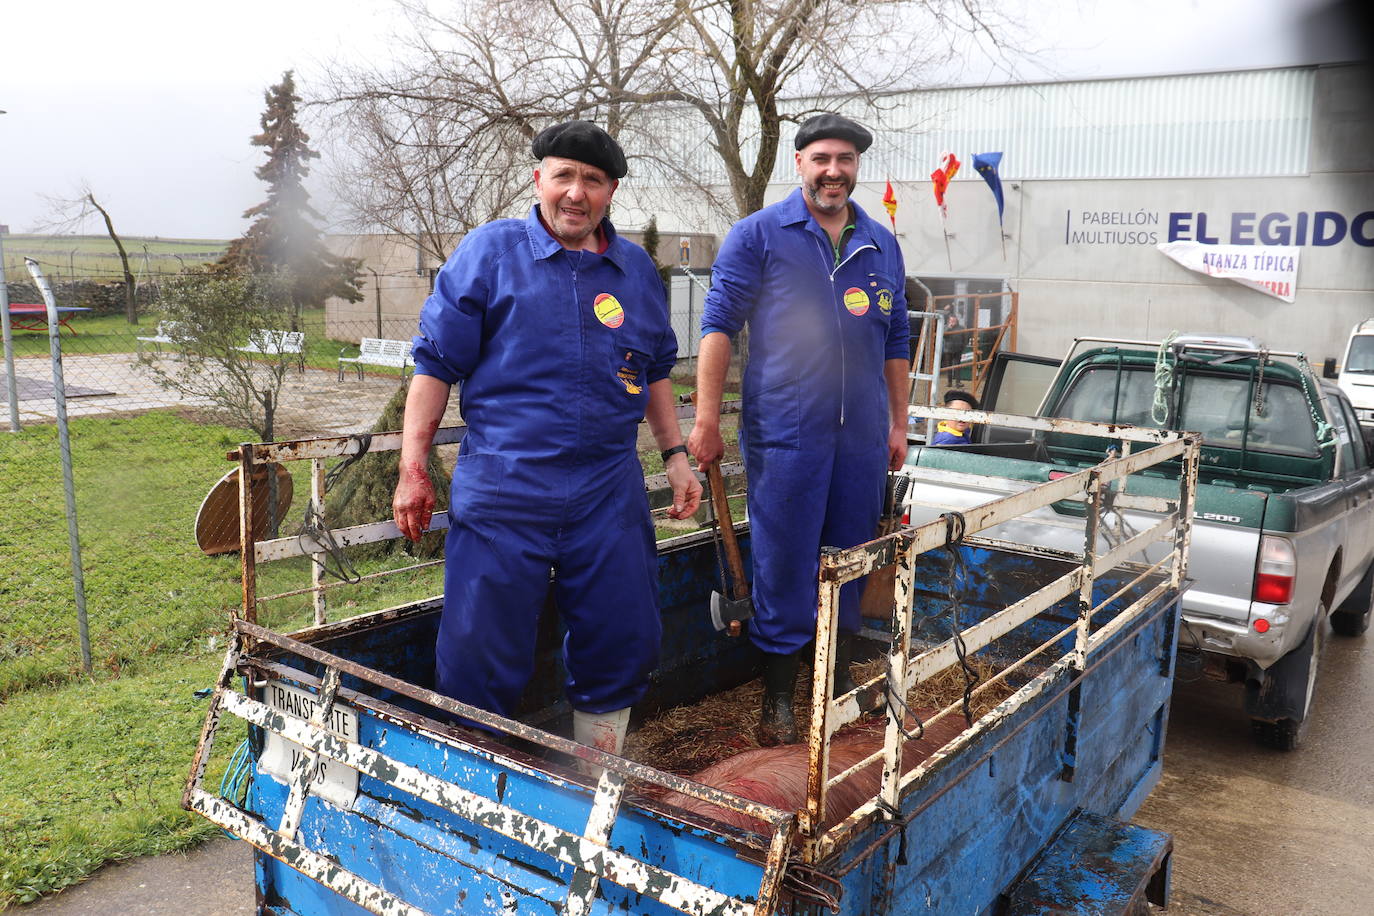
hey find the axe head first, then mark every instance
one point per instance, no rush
(726, 611)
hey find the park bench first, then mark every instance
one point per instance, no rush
(378, 351)
(277, 343)
(167, 333)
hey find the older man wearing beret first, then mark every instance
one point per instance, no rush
(821, 287)
(558, 331)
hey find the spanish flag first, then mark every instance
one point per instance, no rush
(890, 203)
(941, 177)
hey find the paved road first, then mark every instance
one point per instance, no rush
(1256, 833)
(1263, 833)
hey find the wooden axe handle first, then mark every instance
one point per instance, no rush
(721, 504)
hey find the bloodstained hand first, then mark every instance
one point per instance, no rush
(413, 503)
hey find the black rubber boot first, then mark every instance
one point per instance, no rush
(777, 725)
(844, 655)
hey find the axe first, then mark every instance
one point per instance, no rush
(727, 613)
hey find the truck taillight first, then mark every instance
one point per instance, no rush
(1275, 570)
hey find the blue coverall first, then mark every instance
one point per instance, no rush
(555, 351)
(815, 422)
(948, 435)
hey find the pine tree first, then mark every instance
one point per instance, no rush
(650, 242)
(283, 237)
(363, 491)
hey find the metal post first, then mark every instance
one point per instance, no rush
(11, 384)
(247, 542)
(822, 682)
(317, 478)
(377, 294)
(65, 445)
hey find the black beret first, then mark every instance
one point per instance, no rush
(583, 141)
(827, 126)
(955, 394)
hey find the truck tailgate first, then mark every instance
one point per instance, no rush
(1222, 554)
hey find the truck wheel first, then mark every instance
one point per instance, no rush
(1352, 617)
(1279, 708)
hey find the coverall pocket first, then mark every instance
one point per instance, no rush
(774, 417)
(630, 367)
(477, 486)
(884, 290)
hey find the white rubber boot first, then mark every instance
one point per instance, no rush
(604, 731)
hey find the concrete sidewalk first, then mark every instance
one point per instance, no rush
(215, 879)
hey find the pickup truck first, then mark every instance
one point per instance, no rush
(1283, 534)
(361, 793)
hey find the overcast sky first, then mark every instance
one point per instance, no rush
(152, 102)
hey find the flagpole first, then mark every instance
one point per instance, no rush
(944, 230)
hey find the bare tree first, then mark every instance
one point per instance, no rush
(70, 213)
(697, 90)
(210, 316)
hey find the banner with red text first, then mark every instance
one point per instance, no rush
(1271, 269)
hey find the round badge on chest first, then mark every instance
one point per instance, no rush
(856, 300)
(607, 310)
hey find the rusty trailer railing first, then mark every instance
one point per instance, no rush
(1098, 486)
(322, 542)
(317, 545)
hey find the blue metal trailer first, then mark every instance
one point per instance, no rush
(367, 795)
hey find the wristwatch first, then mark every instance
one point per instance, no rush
(670, 452)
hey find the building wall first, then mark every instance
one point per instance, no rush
(391, 288)
(1083, 253)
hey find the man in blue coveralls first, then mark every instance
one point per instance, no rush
(558, 330)
(822, 287)
(955, 432)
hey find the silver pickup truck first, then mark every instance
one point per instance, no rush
(1283, 533)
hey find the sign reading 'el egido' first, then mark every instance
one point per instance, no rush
(1320, 228)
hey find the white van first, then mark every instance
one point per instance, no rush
(1356, 376)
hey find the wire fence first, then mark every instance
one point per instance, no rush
(156, 500)
(156, 494)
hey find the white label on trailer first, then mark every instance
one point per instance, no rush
(332, 781)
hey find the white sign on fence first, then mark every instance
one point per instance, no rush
(1271, 269)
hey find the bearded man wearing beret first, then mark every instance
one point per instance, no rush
(822, 288)
(558, 331)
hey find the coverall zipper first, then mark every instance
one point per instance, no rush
(838, 326)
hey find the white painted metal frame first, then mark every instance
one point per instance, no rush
(839, 567)
(589, 853)
(317, 452)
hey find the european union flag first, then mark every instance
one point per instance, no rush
(986, 164)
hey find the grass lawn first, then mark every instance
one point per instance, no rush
(94, 764)
(94, 772)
